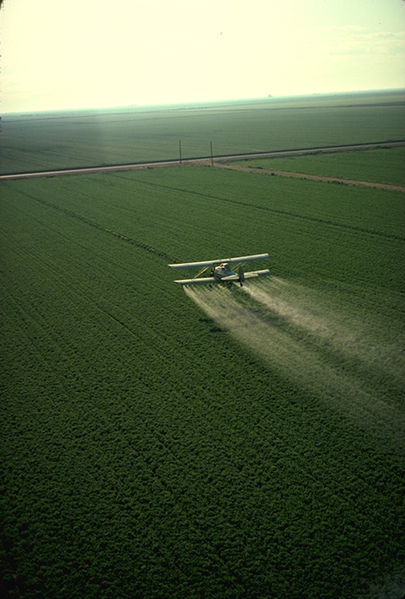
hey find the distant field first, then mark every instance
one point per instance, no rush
(380, 166)
(59, 140)
(215, 443)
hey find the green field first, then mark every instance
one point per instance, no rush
(59, 140)
(214, 443)
(380, 166)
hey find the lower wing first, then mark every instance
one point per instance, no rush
(196, 281)
(248, 275)
(208, 280)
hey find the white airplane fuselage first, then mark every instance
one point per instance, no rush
(222, 270)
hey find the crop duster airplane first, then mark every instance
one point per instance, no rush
(221, 271)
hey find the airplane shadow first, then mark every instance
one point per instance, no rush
(210, 322)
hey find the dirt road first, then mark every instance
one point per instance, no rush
(219, 161)
(312, 177)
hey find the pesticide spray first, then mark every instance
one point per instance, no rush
(324, 347)
(335, 326)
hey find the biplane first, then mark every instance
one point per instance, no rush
(221, 271)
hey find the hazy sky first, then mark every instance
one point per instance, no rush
(91, 53)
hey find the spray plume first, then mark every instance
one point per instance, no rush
(321, 347)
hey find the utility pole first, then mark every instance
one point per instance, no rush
(211, 154)
(180, 151)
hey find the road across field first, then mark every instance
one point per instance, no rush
(199, 160)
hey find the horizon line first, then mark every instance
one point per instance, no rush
(268, 97)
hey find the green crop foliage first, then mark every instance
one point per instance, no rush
(60, 140)
(151, 451)
(379, 166)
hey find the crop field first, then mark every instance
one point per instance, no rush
(162, 442)
(385, 165)
(60, 140)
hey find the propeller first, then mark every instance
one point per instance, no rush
(241, 275)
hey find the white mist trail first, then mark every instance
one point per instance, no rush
(290, 332)
(315, 313)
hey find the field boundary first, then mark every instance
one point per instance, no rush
(312, 177)
(81, 170)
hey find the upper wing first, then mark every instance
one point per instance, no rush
(219, 261)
